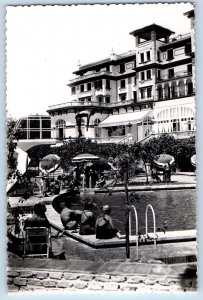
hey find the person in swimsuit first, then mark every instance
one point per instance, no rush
(87, 222)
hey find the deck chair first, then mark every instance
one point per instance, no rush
(37, 241)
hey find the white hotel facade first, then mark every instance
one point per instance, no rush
(134, 96)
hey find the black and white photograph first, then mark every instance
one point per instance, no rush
(101, 149)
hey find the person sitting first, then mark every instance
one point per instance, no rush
(104, 225)
(38, 219)
(101, 182)
(87, 222)
(70, 218)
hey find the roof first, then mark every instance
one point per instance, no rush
(124, 119)
(145, 31)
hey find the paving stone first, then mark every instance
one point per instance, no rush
(86, 277)
(64, 284)
(35, 282)
(49, 283)
(26, 274)
(111, 287)
(70, 276)
(150, 281)
(55, 275)
(118, 278)
(127, 288)
(102, 278)
(79, 284)
(20, 281)
(13, 274)
(135, 280)
(13, 288)
(95, 286)
(41, 275)
(9, 281)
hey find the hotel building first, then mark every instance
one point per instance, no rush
(134, 96)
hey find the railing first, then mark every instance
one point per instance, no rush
(176, 75)
(130, 226)
(78, 103)
(93, 74)
(179, 37)
(174, 95)
(154, 222)
(175, 134)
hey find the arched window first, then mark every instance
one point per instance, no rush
(60, 125)
(97, 130)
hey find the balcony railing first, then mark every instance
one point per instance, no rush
(175, 76)
(179, 37)
(92, 75)
(175, 95)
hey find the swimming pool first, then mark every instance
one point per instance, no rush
(175, 208)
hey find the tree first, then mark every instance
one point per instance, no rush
(11, 146)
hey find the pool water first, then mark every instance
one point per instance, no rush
(176, 209)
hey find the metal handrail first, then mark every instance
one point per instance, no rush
(130, 226)
(154, 221)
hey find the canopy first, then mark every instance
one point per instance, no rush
(193, 160)
(163, 159)
(124, 119)
(85, 157)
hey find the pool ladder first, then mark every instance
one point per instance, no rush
(146, 225)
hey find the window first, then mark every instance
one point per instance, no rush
(73, 90)
(189, 69)
(89, 99)
(188, 48)
(142, 76)
(142, 93)
(107, 99)
(149, 92)
(158, 74)
(123, 97)
(82, 88)
(142, 57)
(158, 56)
(122, 68)
(89, 86)
(170, 73)
(46, 123)
(122, 84)
(170, 54)
(100, 99)
(108, 86)
(107, 68)
(135, 80)
(98, 84)
(148, 74)
(135, 63)
(34, 123)
(148, 55)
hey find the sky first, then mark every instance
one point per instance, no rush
(45, 44)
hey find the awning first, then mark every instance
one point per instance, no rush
(124, 119)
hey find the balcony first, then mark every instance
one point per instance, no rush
(89, 76)
(179, 37)
(175, 76)
(175, 95)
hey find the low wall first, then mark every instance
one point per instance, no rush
(22, 280)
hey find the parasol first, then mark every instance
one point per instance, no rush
(163, 159)
(85, 157)
(193, 160)
(49, 163)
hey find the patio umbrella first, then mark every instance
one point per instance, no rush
(163, 159)
(85, 157)
(49, 163)
(193, 160)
